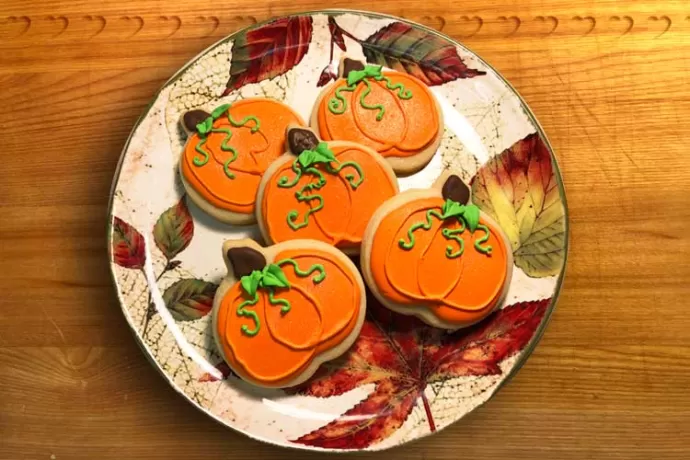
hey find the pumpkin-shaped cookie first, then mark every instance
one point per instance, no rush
(391, 112)
(434, 255)
(227, 152)
(281, 311)
(325, 191)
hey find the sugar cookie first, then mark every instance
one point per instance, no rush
(227, 152)
(283, 310)
(325, 191)
(391, 112)
(434, 255)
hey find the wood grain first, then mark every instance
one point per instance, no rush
(608, 81)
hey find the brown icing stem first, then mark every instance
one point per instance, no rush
(192, 118)
(245, 260)
(301, 139)
(455, 189)
(349, 65)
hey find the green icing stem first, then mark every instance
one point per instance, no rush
(452, 234)
(319, 183)
(302, 196)
(337, 105)
(284, 303)
(227, 148)
(284, 182)
(449, 234)
(304, 273)
(249, 314)
(244, 121)
(273, 301)
(226, 168)
(416, 226)
(351, 179)
(224, 145)
(478, 243)
(199, 148)
(363, 103)
(403, 93)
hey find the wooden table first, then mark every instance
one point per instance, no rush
(610, 83)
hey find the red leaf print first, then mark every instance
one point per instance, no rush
(269, 50)
(383, 412)
(519, 189)
(484, 345)
(128, 246)
(413, 50)
(174, 229)
(189, 299)
(326, 75)
(336, 33)
(224, 370)
(401, 356)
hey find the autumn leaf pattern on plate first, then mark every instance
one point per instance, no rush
(174, 230)
(336, 33)
(401, 356)
(224, 372)
(187, 299)
(416, 378)
(269, 50)
(190, 299)
(406, 48)
(127, 244)
(518, 188)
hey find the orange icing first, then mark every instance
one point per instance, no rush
(407, 126)
(346, 212)
(321, 316)
(459, 290)
(255, 152)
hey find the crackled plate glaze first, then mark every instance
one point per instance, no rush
(401, 380)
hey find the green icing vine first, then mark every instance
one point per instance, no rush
(416, 226)
(304, 273)
(367, 106)
(337, 104)
(466, 215)
(241, 311)
(306, 163)
(403, 93)
(269, 279)
(273, 301)
(478, 243)
(354, 180)
(206, 127)
(452, 234)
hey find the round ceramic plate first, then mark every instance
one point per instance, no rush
(401, 380)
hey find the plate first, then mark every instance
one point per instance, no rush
(401, 380)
